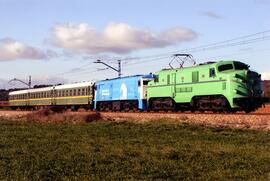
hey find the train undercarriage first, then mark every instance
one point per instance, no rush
(122, 105)
(216, 103)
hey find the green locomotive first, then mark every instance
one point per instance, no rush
(228, 86)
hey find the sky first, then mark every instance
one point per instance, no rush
(58, 41)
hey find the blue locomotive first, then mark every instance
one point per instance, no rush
(126, 93)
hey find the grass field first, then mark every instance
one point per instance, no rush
(127, 151)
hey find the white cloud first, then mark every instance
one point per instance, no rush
(11, 49)
(266, 76)
(211, 14)
(116, 38)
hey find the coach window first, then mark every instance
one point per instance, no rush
(70, 92)
(79, 92)
(82, 92)
(66, 94)
(74, 92)
(212, 72)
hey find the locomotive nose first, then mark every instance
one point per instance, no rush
(254, 83)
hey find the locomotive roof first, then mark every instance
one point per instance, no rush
(206, 64)
(76, 85)
(59, 87)
(19, 92)
(139, 75)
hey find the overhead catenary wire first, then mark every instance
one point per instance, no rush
(129, 61)
(217, 45)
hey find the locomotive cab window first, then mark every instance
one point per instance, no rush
(240, 66)
(225, 67)
(212, 72)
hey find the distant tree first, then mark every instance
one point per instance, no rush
(3, 95)
(41, 86)
(266, 88)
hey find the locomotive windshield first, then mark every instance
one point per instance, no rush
(225, 67)
(240, 66)
(233, 66)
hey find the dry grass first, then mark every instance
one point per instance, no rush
(49, 116)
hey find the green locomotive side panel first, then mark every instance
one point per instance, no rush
(183, 84)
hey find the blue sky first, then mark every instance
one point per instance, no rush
(43, 33)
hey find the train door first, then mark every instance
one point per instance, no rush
(173, 84)
(53, 96)
(143, 87)
(89, 94)
(28, 99)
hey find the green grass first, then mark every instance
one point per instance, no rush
(127, 151)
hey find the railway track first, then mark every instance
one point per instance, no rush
(262, 112)
(259, 120)
(186, 113)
